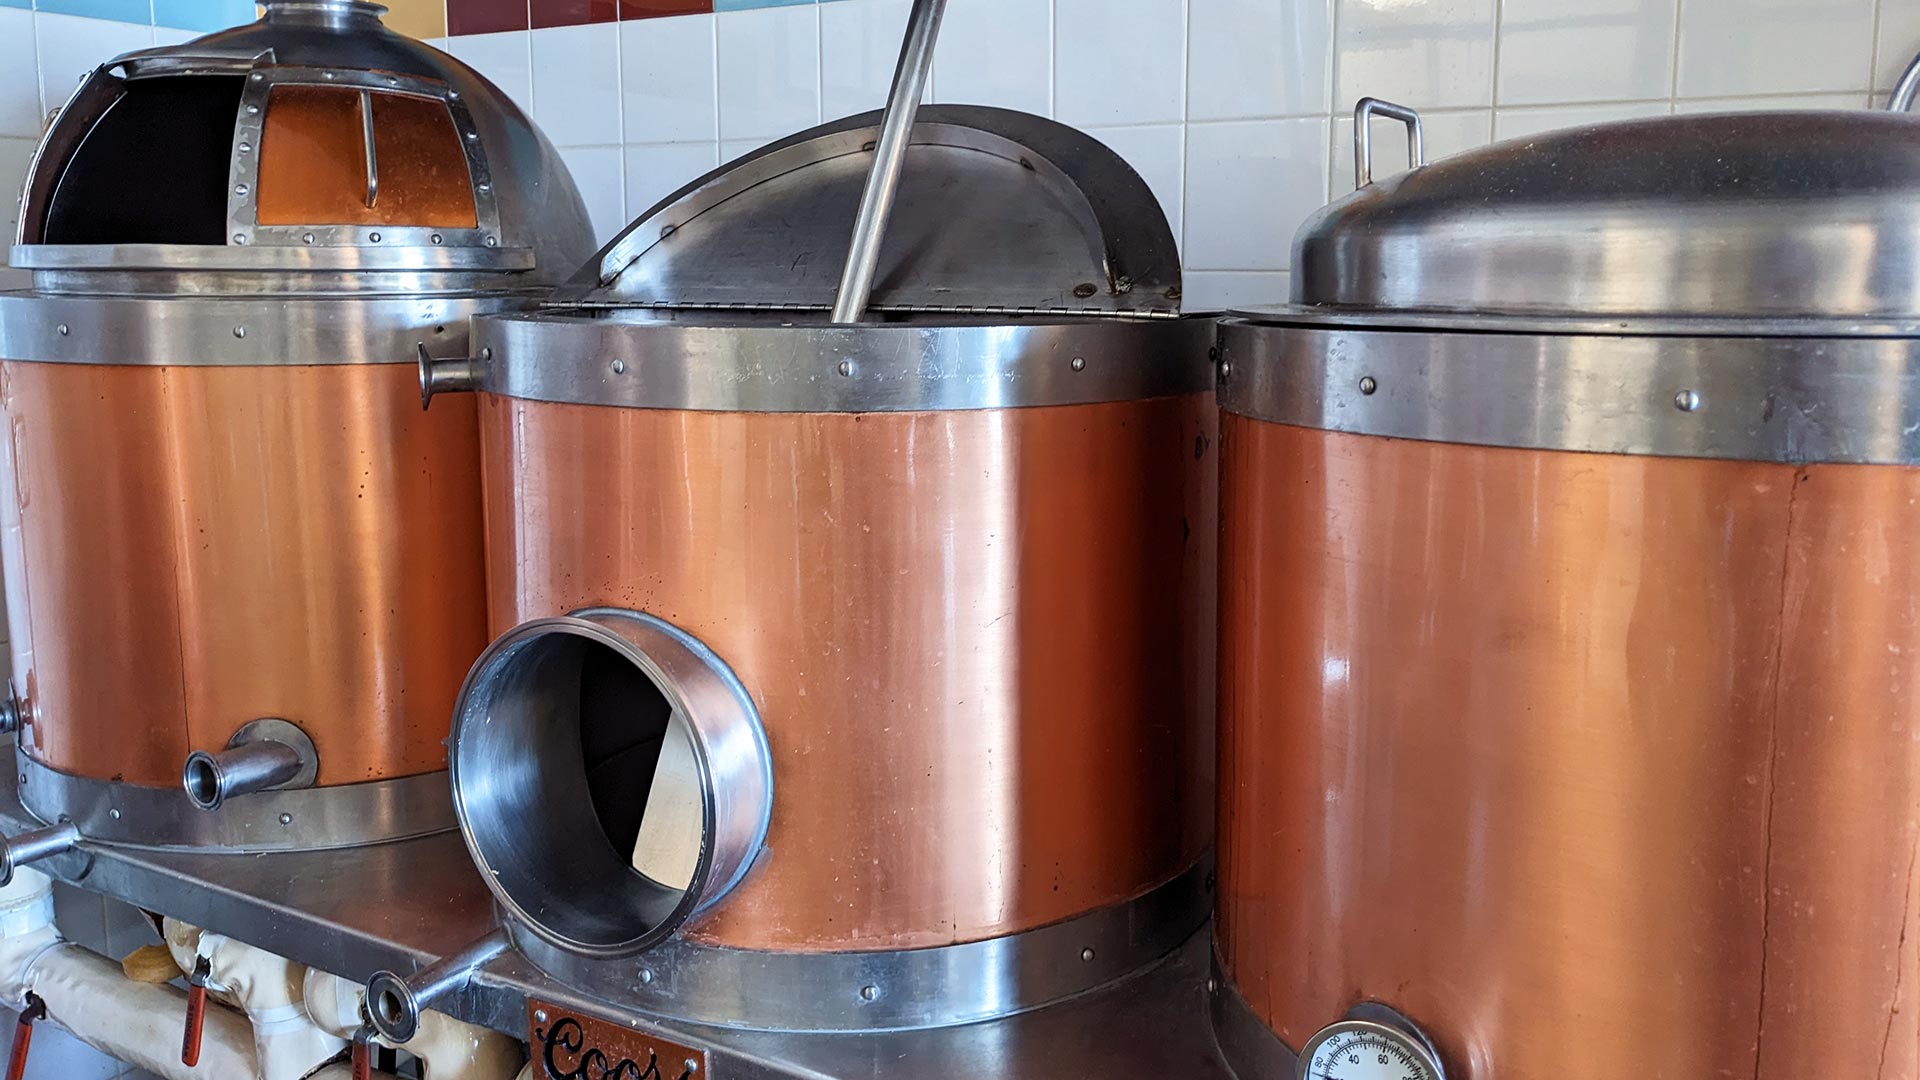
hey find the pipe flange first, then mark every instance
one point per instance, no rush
(392, 1007)
(268, 754)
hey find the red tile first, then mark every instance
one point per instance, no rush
(573, 12)
(653, 9)
(485, 16)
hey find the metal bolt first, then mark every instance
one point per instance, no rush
(491, 241)
(484, 188)
(846, 367)
(391, 81)
(63, 330)
(691, 1066)
(239, 189)
(375, 237)
(453, 95)
(1213, 985)
(1226, 369)
(257, 77)
(646, 975)
(539, 1016)
(1687, 400)
(1079, 363)
(486, 353)
(307, 239)
(239, 331)
(246, 147)
(240, 238)
(114, 813)
(1085, 289)
(1368, 385)
(472, 135)
(326, 74)
(619, 367)
(286, 819)
(253, 110)
(868, 993)
(435, 238)
(1086, 956)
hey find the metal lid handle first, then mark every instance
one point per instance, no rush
(1906, 89)
(889, 158)
(1363, 115)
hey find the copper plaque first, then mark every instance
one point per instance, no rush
(570, 1045)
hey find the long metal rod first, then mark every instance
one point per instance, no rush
(1906, 89)
(889, 156)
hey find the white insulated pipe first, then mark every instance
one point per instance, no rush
(89, 996)
(268, 989)
(267, 1017)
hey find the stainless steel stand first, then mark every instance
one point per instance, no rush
(406, 904)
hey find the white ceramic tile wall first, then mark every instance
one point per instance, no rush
(1237, 112)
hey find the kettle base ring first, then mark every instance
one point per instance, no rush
(894, 990)
(306, 819)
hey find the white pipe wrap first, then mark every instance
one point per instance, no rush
(139, 1023)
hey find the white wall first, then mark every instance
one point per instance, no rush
(1235, 111)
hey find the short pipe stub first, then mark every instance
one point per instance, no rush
(31, 847)
(611, 777)
(392, 1007)
(394, 1001)
(264, 755)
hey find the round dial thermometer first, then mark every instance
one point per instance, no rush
(1363, 1050)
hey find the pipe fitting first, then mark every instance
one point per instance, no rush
(394, 1002)
(264, 755)
(31, 847)
(454, 375)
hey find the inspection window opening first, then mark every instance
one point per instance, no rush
(642, 775)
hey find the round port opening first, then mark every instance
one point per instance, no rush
(611, 777)
(203, 781)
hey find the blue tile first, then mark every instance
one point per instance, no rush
(126, 11)
(202, 14)
(744, 5)
(16, 3)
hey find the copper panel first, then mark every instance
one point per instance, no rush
(1841, 962)
(1585, 762)
(980, 641)
(567, 1044)
(313, 161)
(190, 548)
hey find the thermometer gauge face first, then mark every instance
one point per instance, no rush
(1361, 1050)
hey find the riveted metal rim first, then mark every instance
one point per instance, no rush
(235, 332)
(892, 990)
(1789, 400)
(742, 365)
(304, 819)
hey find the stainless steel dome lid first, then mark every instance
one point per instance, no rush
(166, 160)
(996, 212)
(1025, 264)
(1778, 218)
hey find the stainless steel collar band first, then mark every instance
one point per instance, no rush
(235, 331)
(1250, 1047)
(1793, 400)
(304, 819)
(762, 366)
(881, 991)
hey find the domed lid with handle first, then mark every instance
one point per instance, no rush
(1779, 217)
(997, 212)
